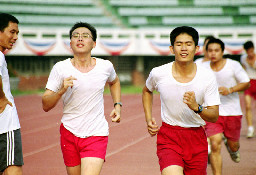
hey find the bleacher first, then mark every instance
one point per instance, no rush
(197, 13)
(132, 34)
(133, 13)
(56, 13)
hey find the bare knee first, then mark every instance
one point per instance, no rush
(215, 147)
(76, 170)
(13, 170)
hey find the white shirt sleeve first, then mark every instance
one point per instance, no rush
(212, 94)
(150, 82)
(243, 59)
(1, 63)
(55, 80)
(239, 72)
(112, 75)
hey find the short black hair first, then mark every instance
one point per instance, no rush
(5, 18)
(86, 25)
(248, 45)
(207, 38)
(184, 29)
(218, 41)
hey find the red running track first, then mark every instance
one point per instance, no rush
(131, 151)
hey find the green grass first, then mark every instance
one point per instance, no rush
(27, 92)
(127, 89)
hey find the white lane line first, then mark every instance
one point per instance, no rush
(39, 129)
(56, 144)
(126, 146)
(41, 149)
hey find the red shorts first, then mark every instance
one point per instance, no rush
(230, 126)
(74, 148)
(186, 147)
(252, 89)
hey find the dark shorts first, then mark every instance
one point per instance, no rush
(185, 147)
(251, 91)
(10, 149)
(74, 148)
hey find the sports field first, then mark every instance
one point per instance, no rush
(131, 151)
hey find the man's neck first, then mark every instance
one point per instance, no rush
(217, 66)
(252, 57)
(184, 72)
(2, 49)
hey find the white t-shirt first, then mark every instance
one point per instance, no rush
(251, 71)
(199, 61)
(9, 119)
(83, 104)
(229, 76)
(173, 110)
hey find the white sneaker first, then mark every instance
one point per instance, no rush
(250, 132)
(209, 149)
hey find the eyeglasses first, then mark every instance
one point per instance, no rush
(83, 35)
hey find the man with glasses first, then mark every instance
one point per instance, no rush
(80, 81)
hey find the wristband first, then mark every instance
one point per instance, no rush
(118, 103)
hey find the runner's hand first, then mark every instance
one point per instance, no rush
(3, 103)
(224, 91)
(67, 82)
(152, 127)
(116, 114)
(189, 98)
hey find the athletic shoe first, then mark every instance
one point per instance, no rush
(235, 156)
(250, 132)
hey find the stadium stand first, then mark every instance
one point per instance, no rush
(132, 34)
(56, 13)
(198, 13)
(133, 13)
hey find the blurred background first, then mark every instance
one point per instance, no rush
(132, 34)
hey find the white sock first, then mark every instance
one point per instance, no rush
(251, 128)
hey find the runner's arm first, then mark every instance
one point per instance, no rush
(3, 100)
(115, 90)
(147, 99)
(51, 98)
(239, 87)
(210, 113)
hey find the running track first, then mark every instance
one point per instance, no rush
(131, 151)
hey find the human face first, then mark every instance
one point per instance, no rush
(9, 36)
(250, 52)
(215, 52)
(81, 41)
(184, 48)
